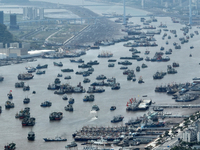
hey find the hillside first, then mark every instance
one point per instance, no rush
(5, 35)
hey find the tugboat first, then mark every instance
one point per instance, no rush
(31, 136)
(56, 139)
(117, 119)
(11, 146)
(73, 144)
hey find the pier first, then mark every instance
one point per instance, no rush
(177, 106)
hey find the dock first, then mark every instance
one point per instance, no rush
(177, 106)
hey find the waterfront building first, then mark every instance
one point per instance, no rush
(13, 22)
(189, 135)
(198, 136)
(1, 17)
(15, 49)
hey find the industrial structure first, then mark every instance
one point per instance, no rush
(15, 49)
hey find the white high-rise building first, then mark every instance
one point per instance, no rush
(35, 13)
(189, 135)
(198, 136)
(41, 13)
(29, 13)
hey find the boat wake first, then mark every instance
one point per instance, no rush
(94, 115)
(93, 111)
(93, 118)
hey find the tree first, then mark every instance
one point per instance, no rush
(5, 35)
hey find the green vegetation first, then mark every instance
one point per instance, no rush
(6, 36)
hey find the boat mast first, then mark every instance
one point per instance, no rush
(190, 12)
(124, 18)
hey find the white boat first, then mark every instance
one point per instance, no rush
(100, 142)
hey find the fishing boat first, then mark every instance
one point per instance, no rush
(69, 107)
(60, 64)
(105, 55)
(10, 96)
(46, 104)
(140, 80)
(56, 116)
(1, 78)
(77, 61)
(39, 72)
(117, 119)
(56, 139)
(11, 146)
(73, 144)
(88, 98)
(31, 136)
(41, 66)
(26, 100)
(157, 109)
(112, 108)
(95, 107)
(65, 97)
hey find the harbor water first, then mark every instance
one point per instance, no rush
(12, 130)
